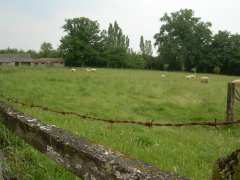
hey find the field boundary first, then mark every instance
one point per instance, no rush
(82, 157)
(150, 123)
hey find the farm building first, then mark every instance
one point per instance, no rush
(15, 59)
(25, 59)
(49, 61)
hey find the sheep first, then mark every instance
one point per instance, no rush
(91, 69)
(204, 79)
(236, 81)
(191, 76)
(88, 70)
(163, 75)
(73, 70)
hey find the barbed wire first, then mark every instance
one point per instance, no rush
(150, 123)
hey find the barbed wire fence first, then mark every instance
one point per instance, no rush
(149, 123)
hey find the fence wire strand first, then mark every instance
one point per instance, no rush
(150, 123)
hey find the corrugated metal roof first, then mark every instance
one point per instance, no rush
(8, 58)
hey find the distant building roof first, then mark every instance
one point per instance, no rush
(9, 58)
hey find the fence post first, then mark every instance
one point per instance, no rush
(231, 99)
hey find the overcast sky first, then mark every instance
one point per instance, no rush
(26, 24)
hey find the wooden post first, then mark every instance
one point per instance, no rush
(230, 101)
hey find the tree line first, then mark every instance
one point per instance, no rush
(184, 43)
(46, 51)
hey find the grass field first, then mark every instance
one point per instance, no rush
(133, 95)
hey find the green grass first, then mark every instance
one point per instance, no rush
(133, 95)
(23, 162)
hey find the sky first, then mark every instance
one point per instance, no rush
(26, 24)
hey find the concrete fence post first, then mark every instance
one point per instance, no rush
(230, 101)
(232, 95)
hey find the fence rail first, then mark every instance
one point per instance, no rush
(150, 123)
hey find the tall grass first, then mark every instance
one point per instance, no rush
(138, 95)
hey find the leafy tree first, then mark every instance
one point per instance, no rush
(115, 46)
(135, 61)
(148, 48)
(11, 51)
(33, 53)
(183, 40)
(142, 45)
(146, 51)
(224, 53)
(45, 50)
(145, 47)
(81, 45)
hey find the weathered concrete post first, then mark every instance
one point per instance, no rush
(230, 101)
(231, 96)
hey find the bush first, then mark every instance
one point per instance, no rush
(165, 67)
(216, 70)
(194, 70)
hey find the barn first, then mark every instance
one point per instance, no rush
(15, 59)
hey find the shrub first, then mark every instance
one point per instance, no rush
(216, 70)
(194, 70)
(165, 67)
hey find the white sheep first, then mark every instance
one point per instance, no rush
(204, 79)
(73, 70)
(91, 69)
(88, 69)
(191, 76)
(163, 75)
(237, 81)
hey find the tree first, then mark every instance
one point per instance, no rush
(183, 40)
(45, 49)
(142, 45)
(225, 52)
(115, 46)
(145, 47)
(81, 45)
(146, 52)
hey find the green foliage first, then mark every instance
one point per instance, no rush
(135, 61)
(225, 52)
(165, 67)
(80, 46)
(115, 47)
(216, 70)
(45, 49)
(147, 52)
(12, 51)
(194, 70)
(23, 162)
(183, 40)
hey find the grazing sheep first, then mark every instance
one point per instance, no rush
(237, 82)
(204, 79)
(88, 69)
(91, 69)
(163, 75)
(73, 70)
(191, 76)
